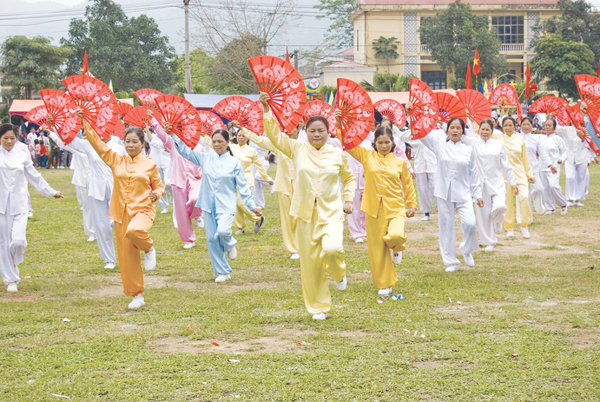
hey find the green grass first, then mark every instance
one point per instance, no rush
(536, 299)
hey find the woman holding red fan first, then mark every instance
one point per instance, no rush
(387, 184)
(137, 186)
(316, 206)
(16, 170)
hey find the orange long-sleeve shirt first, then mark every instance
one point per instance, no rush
(134, 179)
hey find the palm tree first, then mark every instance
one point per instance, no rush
(385, 48)
(388, 82)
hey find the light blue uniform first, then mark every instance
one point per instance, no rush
(217, 199)
(590, 129)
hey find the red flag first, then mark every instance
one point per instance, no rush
(287, 54)
(84, 69)
(476, 63)
(527, 81)
(598, 72)
(468, 79)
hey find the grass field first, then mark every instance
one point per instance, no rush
(523, 324)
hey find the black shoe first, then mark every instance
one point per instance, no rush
(258, 225)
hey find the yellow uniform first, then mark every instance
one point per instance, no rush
(284, 187)
(130, 208)
(248, 158)
(517, 157)
(317, 208)
(386, 179)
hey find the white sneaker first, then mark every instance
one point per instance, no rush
(272, 190)
(341, 285)
(359, 240)
(579, 204)
(498, 227)
(239, 232)
(451, 268)
(549, 212)
(525, 232)
(30, 214)
(137, 302)
(165, 211)
(110, 265)
(563, 211)
(570, 204)
(81, 209)
(91, 239)
(12, 287)
(426, 218)
(320, 316)
(200, 222)
(190, 244)
(385, 292)
(295, 256)
(232, 254)
(150, 260)
(469, 260)
(397, 258)
(259, 224)
(489, 249)
(222, 278)
(510, 233)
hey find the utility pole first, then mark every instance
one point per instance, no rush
(295, 55)
(188, 73)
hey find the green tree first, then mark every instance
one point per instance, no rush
(200, 67)
(129, 51)
(455, 33)
(341, 30)
(388, 82)
(558, 61)
(229, 70)
(29, 65)
(386, 48)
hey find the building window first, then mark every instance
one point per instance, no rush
(509, 29)
(435, 79)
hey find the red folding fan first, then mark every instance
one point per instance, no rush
(477, 105)
(37, 115)
(255, 118)
(449, 107)
(285, 87)
(358, 113)
(210, 122)
(66, 123)
(424, 111)
(320, 108)
(123, 108)
(238, 108)
(138, 116)
(191, 132)
(174, 110)
(392, 110)
(552, 105)
(147, 97)
(506, 95)
(577, 117)
(589, 91)
(119, 128)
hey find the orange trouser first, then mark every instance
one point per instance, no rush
(132, 237)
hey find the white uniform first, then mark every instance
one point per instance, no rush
(535, 146)
(557, 150)
(162, 160)
(16, 169)
(456, 185)
(576, 163)
(425, 166)
(259, 182)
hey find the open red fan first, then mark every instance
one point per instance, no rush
(255, 118)
(138, 116)
(358, 113)
(174, 110)
(285, 87)
(477, 105)
(320, 108)
(552, 105)
(210, 122)
(449, 107)
(66, 123)
(506, 95)
(577, 117)
(123, 108)
(589, 91)
(147, 97)
(392, 110)
(424, 111)
(238, 108)
(119, 128)
(37, 115)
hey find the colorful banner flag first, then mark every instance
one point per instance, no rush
(84, 69)
(468, 80)
(287, 54)
(527, 81)
(476, 63)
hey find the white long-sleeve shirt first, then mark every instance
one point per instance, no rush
(16, 169)
(456, 179)
(158, 153)
(578, 151)
(424, 159)
(534, 143)
(80, 164)
(556, 149)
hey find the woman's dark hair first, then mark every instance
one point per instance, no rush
(225, 135)
(511, 119)
(381, 130)
(135, 130)
(461, 121)
(378, 117)
(36, 142)
(527, 119)
(6, 127)
(317, 118)
(488, 122)
(552, 120)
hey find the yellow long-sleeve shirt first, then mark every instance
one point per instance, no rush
(316, 180)
(517, 156)
(284, 178)
(248, 158)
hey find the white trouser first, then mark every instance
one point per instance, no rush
(552, 190)
(447, 229)
(575, 183)
(493, 211)
(259, 182)
(103, 228)
(356, 220)
(425, 188)
(12, 245)
(83, 199)
(536, 190)
(163, 202)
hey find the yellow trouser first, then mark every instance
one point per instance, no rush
(288, 223)
(132, 237)
(242, 212)
(384, 235)
(321, 250)
(523, 210)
